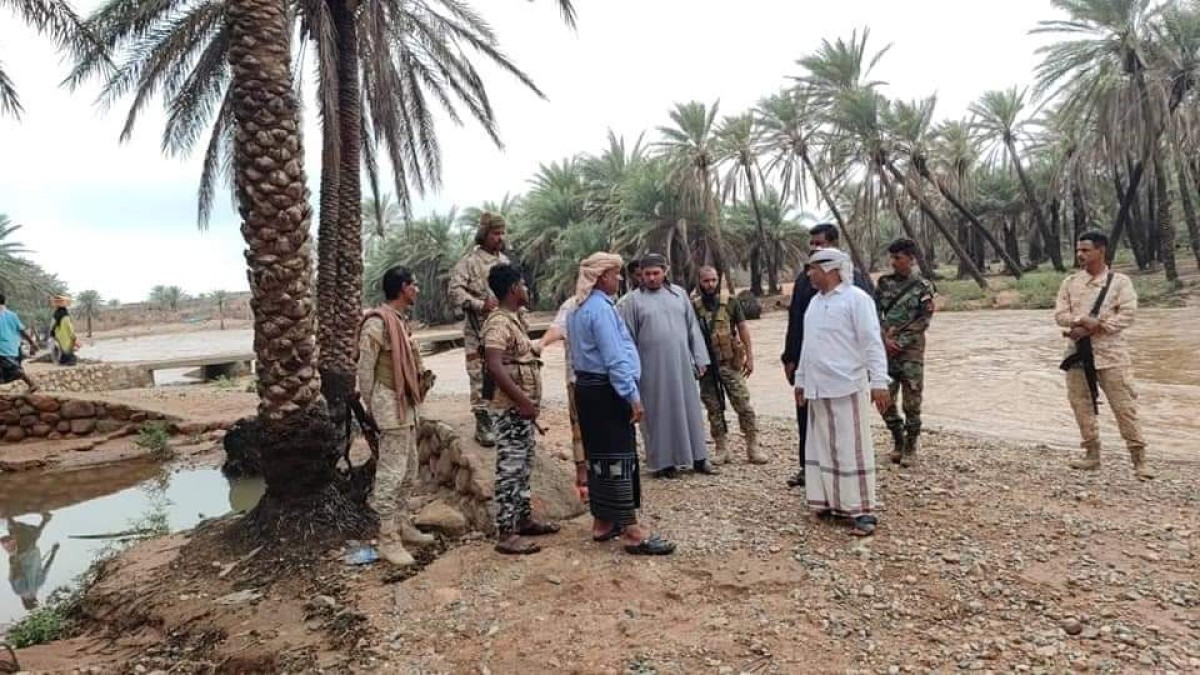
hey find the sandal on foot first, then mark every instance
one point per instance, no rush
(537, 529)
(796, 480)
(613, 533)
(652, 545)
(669, 472)
(864, 526)
(518, 547)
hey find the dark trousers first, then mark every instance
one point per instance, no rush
(802, 430)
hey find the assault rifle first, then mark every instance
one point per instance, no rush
(1084, 357)
(714, 369)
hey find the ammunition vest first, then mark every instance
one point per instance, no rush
(722, 333)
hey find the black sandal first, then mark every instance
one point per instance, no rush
(669, 472)
(652, 545)
(616, 531)
(864, 526)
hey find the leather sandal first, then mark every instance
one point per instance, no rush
(652, 545)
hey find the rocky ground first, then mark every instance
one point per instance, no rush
(988, 557)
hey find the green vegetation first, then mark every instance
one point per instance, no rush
(1039, 288)
(46, 623)
(88, 304)
(156, 437)
(26, 285)
(167, 298)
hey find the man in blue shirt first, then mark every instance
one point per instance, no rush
(12, 331)
(607, 370)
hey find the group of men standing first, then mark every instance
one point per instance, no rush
(657, 358)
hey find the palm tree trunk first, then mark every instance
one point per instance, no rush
(1012, 243)
(1013, 267)
(1128, 197)
(763, 254)
(1186, 197)
(1039, 219)
(905, 223)
(959, 251)
(855, 256)
(717, 253)
(1078, 215)
(292, 429)
(89, 324)
(1166, 229)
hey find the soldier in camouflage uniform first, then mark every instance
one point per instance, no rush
(724, 327)
(468, 290)
(515, 369)
(905, 303)
(390, 381)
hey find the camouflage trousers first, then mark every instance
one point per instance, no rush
(471, 344)
(738, 395)
(394, 474)
(514, 463)
(908, 378)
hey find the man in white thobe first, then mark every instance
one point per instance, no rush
(842, 362)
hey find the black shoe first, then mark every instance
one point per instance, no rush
(797, 479)
(706, 467)
(669, 472)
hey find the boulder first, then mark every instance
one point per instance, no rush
(40, 430)
(118, 412)
(29, 420)
(44, 404)
(63, 427)
(50, 418)
(14, 434)
(74, 410)
(6, 404)
(83, 427)
(109, 426)
(442, 517)
(10, 417)
(552, 484)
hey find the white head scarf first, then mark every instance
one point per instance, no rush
(591, 269)
(830, 259)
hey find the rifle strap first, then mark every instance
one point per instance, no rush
(904, 291)
(1103, 294)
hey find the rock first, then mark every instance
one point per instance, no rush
(239, 597)
(50, 418)
(441, 516)
(190, 428)
(553, 486)
(951, 557)
(63, 427)
(41, 430)
(73, 410)
(109, 426)
(28, 421)
(82, 427)
(10, 417)
(867, 591)
(14, 434)
(44, 404)
(1071, 626)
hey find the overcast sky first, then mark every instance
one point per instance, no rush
(120, 218)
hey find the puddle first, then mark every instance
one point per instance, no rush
(56, 523)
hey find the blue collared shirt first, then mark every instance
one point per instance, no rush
(600, 343)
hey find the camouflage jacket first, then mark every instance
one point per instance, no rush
(905, 306)
(468, 286)
(722, 323)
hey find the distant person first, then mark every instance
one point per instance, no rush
(469, 292)
(1096, 305)
(26, 567)
(905, 302)
(516, 372)
(607, 371)
(12, 332)
(842, 362)
(633, 277)
(671, 347)
(820, 237)
(724, 326)
(64, 341)
(389, 381)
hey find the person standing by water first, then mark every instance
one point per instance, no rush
(1096, 305)
(671, 347)
(516, 372)
(821, 237)
(12, 332)
(905, 302)
(389, 382)
(607, 371)
(63, 340)
(468, 291)
(843, 361)
(26, 568)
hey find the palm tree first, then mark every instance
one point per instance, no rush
(379, 216)
(998, 118)
(54, 18)
(737, 139)
(221, 300)
(429, 248)
(89, 303)
(557, 200)
(12, 266)
(167, 297)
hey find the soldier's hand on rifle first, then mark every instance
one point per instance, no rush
(1089, 323)
(1078, 333)
(490, 304)
(882, 399)
(527, 409)
(639, 413)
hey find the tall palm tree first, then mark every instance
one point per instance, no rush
(12, 266)
(429, 247)
(88, 303)
(999, 119)
(220, 298)
(296, 439)
(736, 147)
(53, 18)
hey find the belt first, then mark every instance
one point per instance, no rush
(586, 379)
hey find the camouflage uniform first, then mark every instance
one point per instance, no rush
(397, 468)
(507, 331)
(905, 308)
(468, 290)
(720, 324)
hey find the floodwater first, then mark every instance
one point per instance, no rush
(58, 522)
(992, 373)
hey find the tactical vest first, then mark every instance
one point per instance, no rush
(722, 332)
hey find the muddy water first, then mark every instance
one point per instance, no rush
(57, 523)
(993, 373)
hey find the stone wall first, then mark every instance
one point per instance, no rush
(37, 416)
(463, 474)
(89, 377)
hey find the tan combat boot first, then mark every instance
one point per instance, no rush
(1090, 460)
(409, 534)
(1140, 468)
(897, 452)
(912, 441)
(753, 453)
(391, 548)
(721, 455)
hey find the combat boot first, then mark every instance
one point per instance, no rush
(391, 548)
(753, 453)
(1140, 468)
(912, 441)
(721, 454)
(409, 534)
(483, 429)
(897, 452)
(1090, 460)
